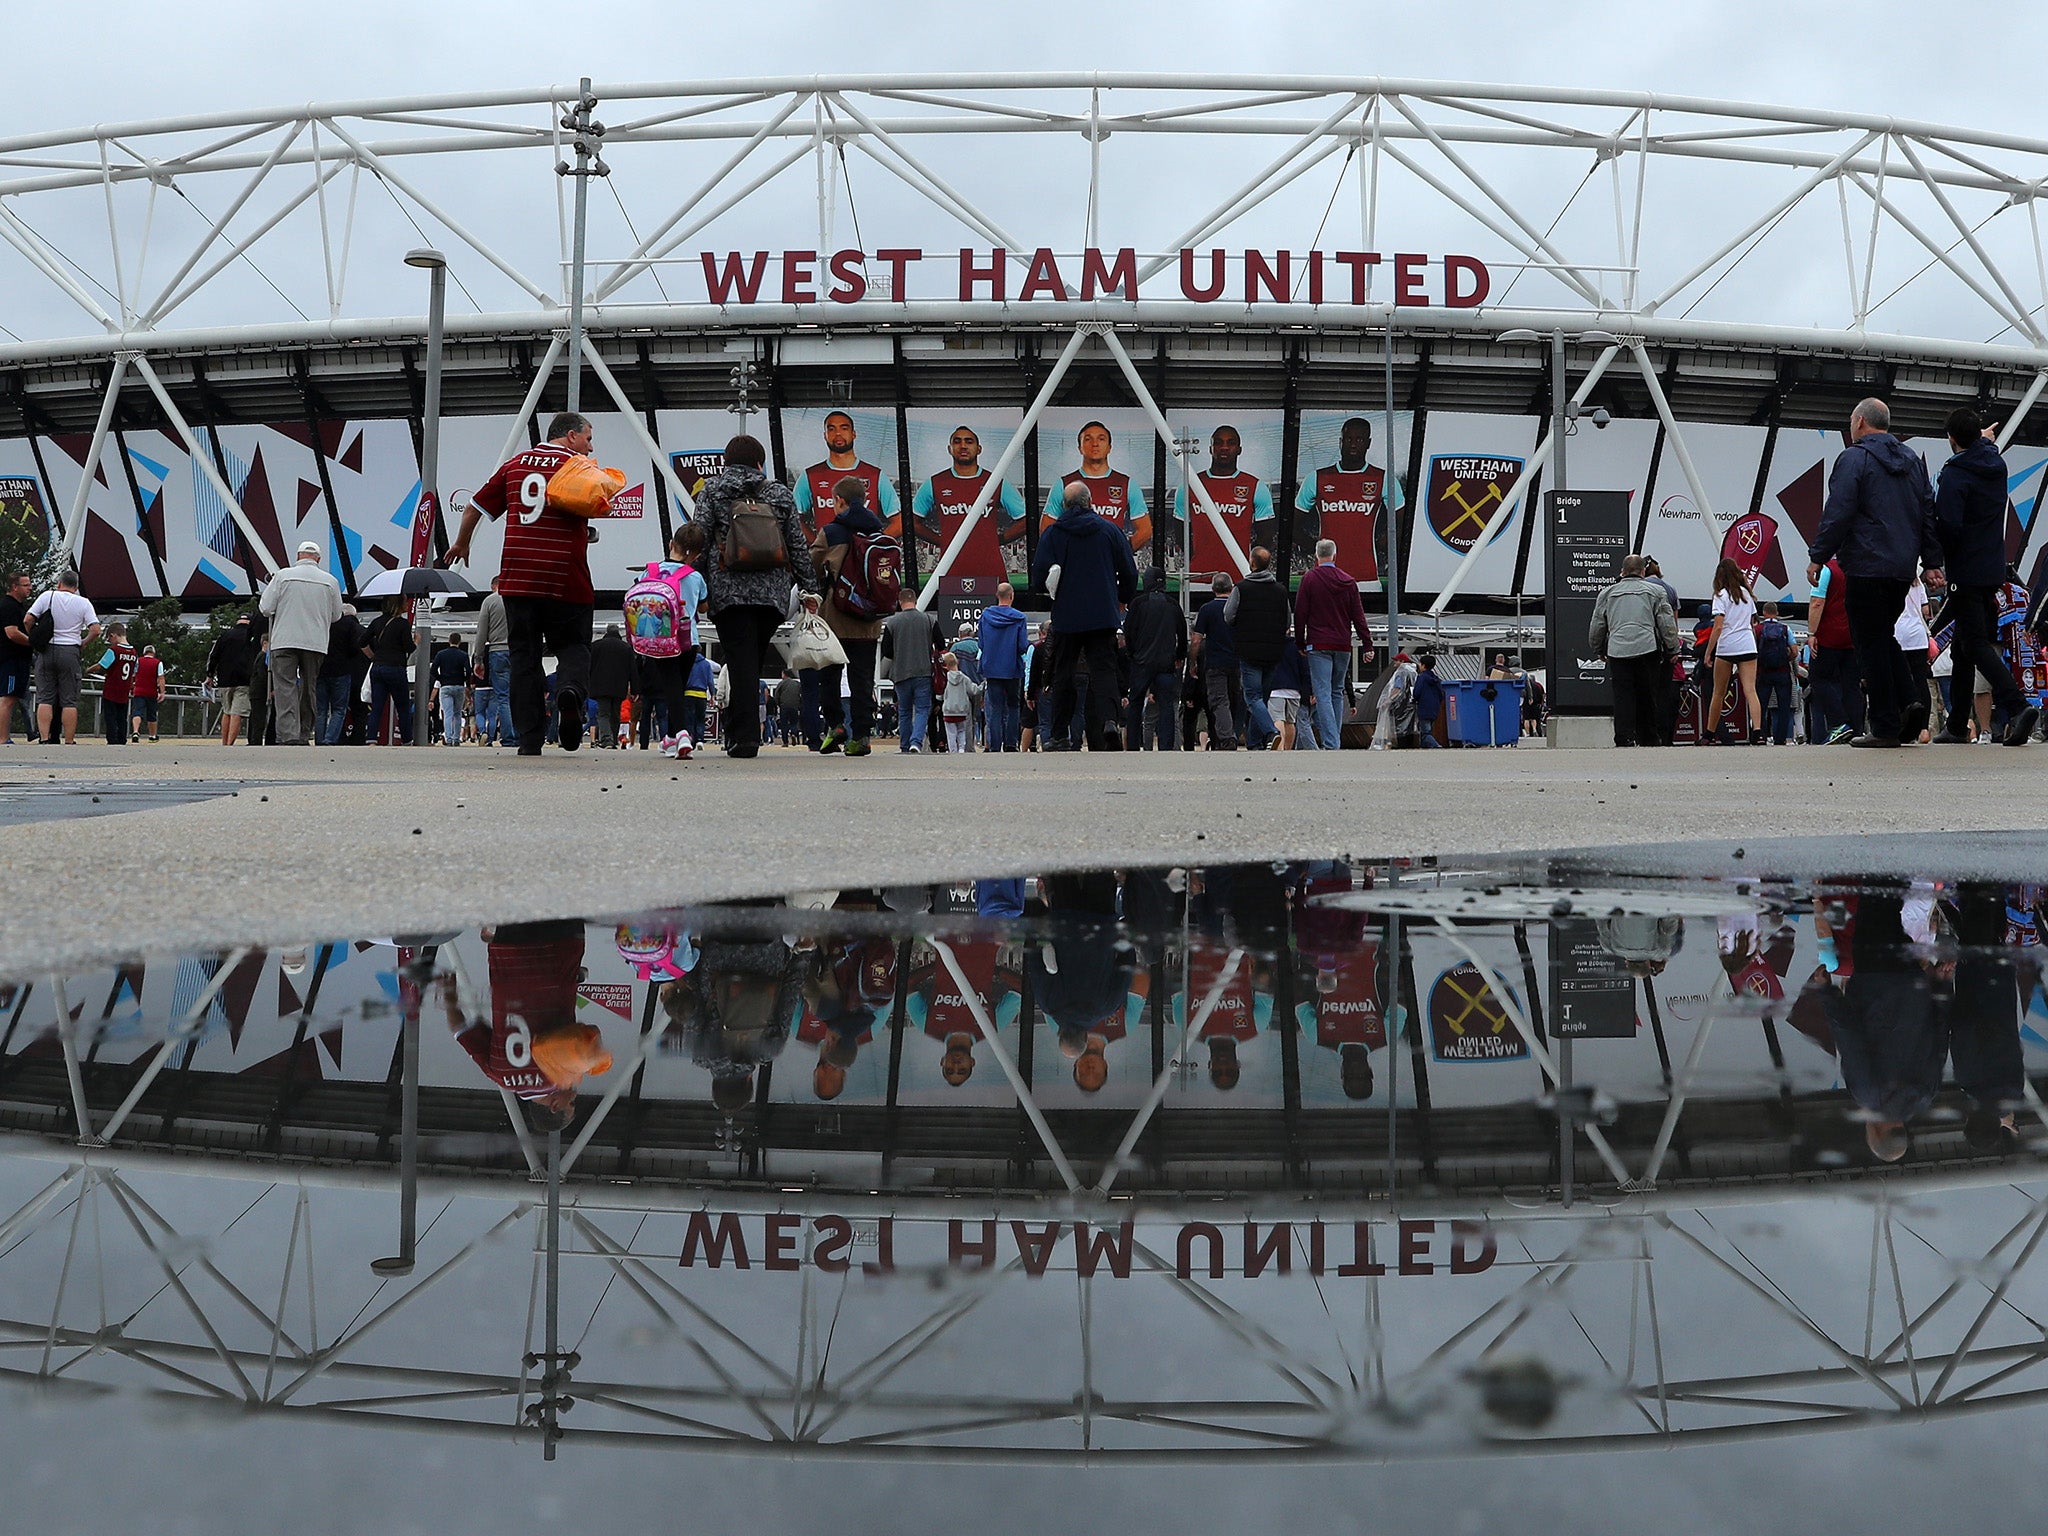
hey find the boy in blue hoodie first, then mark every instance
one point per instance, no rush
(1003, 633)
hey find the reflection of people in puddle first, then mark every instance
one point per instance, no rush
(1338, 976)
(848, 995)
(1643, 943)
(1085, 976)
(1887, 1033)
(1755, 964)
(1984, 1018)
(1243, 1008)
(733, 1011)
(533, 1046)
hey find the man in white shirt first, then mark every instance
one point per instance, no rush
(302, 603)
(74, 625)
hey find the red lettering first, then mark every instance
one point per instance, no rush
(1191, 289)
(1184, 1256)
(1356, 262)
(1361, 1253)
(1472, 1247)
(1415, 1235)
(1315, 277)
(1123, 274)
(1035, 1248)
(1315, 1248)
(1276, 1251)
(994, 275)
(1091, 1247)
(715, 1246)
(1273, 279)
(850, 284)
(1457, 297)
(884, 1261)
(780, 1238)
(897, 258)
(797, 275)
(720, 281)
(1043, 277)
(958, 1249)
(1408, 267)
(830, 1255)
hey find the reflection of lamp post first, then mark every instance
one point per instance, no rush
(409, 989)
(436, 265)
(1564, 412)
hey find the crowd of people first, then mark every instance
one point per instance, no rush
(1918, 627)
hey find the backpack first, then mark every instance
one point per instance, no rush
(42, 629)
(753, 538)
(1773, 647)
(870, 578)
(655, 620)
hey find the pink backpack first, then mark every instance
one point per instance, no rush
(655, 620)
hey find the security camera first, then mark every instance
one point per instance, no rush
(1601, 418)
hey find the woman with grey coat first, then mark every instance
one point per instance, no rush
(749, 606)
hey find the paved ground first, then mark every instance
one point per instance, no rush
(322, 843)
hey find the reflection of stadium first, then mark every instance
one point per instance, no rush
(233, 351)
(1653, 1219)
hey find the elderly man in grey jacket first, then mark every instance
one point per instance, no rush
(1635, 629)
(302, 602)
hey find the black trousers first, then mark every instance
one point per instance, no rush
(666, 678)
(1638, 698)
(1875, 603)
(859, 673)
(538, 625)
(1975, 649)
(1099, 646)
(745, 630)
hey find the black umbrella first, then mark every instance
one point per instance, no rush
(416, 581)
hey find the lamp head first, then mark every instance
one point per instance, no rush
(427, 257)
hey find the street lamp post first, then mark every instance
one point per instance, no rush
(436, 267)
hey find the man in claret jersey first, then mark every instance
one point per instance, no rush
(1345, 500)
(941, 505)
(1243, 500)
(815, 487)
(1116, 497)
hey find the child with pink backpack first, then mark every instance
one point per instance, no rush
(661, 621)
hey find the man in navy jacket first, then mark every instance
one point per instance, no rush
(1969, 517)
(1084, 565)
(1879, 522)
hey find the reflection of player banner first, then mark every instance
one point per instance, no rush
(697, 465)
(613, 996)
(1467, 1021)
(1465, 490)
(21, 504)
(631, 502)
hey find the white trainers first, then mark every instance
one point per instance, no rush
(682, 745)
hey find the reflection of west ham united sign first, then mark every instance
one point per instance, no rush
(1468, 1022)
(1465, 491)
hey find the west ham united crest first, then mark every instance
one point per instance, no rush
(1465, 491)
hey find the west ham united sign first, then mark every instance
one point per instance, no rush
(1465, 491)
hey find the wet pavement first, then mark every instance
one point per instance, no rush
(55, 799)
(1265, 1164)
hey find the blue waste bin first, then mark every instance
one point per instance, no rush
(1468, 716)
(1507, 712)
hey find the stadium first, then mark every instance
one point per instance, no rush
(213, 314)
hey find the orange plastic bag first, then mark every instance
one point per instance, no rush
(582, 487)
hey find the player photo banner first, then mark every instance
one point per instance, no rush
(1465, 491)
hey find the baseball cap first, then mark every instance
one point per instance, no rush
(308, 547)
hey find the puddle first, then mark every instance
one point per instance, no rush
(56, 799)
(1341, 1160)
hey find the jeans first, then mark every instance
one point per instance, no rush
(1005, 717)
(1164, 689)
(1833, 676)
(745, 630)
(539, 625)
(334, 694)
(486, 706)
(1975, 648)
(499, 671)
(1259, 722)
(389, 682)
(859, 673)
(1328, 673)
(1774, 693)
(1633, 681)
(913, 710)
(1875, 603)
(1099, 646)
(451, 714)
